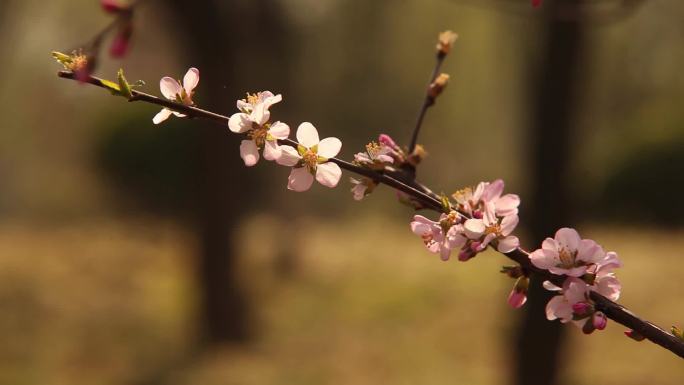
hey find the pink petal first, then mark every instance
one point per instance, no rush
(239, 123)
(279, 130)
(557, 307)
(328, 174)
(493, 190)
(508, 224)
(550, 286)
(508, 244)
(169, 87)
(568, 238)
(190, 80)
(444, 252)
(329, 147)
(541, 259)
(576, 290)
(249, 152)
(609, 287)
(589, 251)
(550, 244)
(307, 135)
(288, 156)
(161, 116)
(300, 179)
(507, 205)
(272, 150)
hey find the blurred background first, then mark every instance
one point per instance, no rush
(140, 254)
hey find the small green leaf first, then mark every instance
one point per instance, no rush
(677, 332)
(124, 87)
(446, 205)
(113, 87)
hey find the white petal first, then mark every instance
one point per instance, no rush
(328, 174)
(507, 205)
(550, 286)
(508, 244)
(271, 150)
(589, 251)
(161, 116)
(307, 135)
(279, 130)
(190, 80)
(542, 259)
(239, 123)
(178, 114)
(249, 152)
(260, 114)
(508, 224)
(558, 308)
(300, 179)
(329, 147)
(474, 228)
(169, 87)
(288, 156)
(568, 238)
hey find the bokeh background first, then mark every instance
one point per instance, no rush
(140, 254)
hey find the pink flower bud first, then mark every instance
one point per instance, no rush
(475, 246)
(516, 299)
(599, 320)
(465, 254)
(581, 308)
(121, 41)
(113, 6)
(477, 214)
(387, 140)
(634, 335)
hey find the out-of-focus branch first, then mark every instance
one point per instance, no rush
(612, 310)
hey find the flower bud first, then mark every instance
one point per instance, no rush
(477, 214)
(445, 40)
(634, 335)
(599, 320)
(518, 295)
(588, 327)
(387, 141)
(437, 86)
(121, 41)
(466, 254)
(582, 309)
(113, 6)
(677, 332)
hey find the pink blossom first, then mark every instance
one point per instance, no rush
(491, 228)
(599, 320)
(113, 6)
(375, 154)
(518, 295)
(311, 159)
(182, 93)
(567, 254)
(253, 120)
(561, 306)
(361, 188)
(439, 237)
(474, 201)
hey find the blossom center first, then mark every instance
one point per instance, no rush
(567, 258)
(493, 229)
(259, 134)
(310, 159)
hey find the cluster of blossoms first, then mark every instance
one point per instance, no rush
(481, 217)
(587, 267)
(473, 218)
(309, 161)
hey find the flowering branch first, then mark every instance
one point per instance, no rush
(639, 329)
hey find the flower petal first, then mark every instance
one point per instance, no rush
(493, 190)
(300, 179)
(271, 150)
(542, 259)
(558, 307)
(508, 224)
(508, 244)
(239, 123)
(161, 116)
(307, 135)
(190, 80)
(568, 238)
(474, 228)
(329, 147)
(249, 152)
(328, 174)
(169, 87)
(507, 205)
(589, 251)
(279, 130)
(288, 156)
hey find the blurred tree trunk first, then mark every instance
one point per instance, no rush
(554, 110)
(216, 33)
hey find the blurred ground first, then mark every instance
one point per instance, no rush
(110, 302)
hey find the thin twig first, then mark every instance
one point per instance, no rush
(612, 310)
(427, 102)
